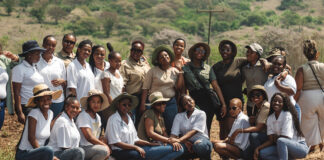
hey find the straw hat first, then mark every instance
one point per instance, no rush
(94, 92)
(115, 102)
(193, 49)
(259, 88)
(41, 90)
(156, 97)
(156, 52)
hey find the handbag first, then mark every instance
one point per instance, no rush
(316, 78)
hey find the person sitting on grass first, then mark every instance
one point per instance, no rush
(233, 147)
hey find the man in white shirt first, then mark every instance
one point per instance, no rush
(230, 147)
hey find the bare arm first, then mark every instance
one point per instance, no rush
(220, 95)
(188, 135)
(180, 82)
(17, 98)
(73, 91)
(256, 128)
(32, 122)
(149, 128)
(269, 142)
(299, 78)
(282, 88)
(106, 88)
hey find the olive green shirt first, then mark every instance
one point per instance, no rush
(159, 126)
(190, 79)
(66, 57)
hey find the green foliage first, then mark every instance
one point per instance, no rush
(85, 26)
(289, 18)
(9, 5)
(57, 13)
(255, 18)
(38, 13)
(287, 4)
(26, 3)
(109, 20)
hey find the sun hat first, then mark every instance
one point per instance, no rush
(29, 46)
(156, 97)
(156, 52)
(232, 44)
(273, 52)
(94, 92)
(193, 49)
(259, 88)
(115, 102)
(255, 47)
(41, 90)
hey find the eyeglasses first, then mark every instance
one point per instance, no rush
(256, 95)
(69, 42)
(233, 108)
(200, 50)
(136, 50)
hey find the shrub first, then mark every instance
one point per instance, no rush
(287, 4)
(9, 5)
(57, 13)
(38, 13)
(164, 11)
(289, 18)
(25, 3)
(255, 18)
(85, 26)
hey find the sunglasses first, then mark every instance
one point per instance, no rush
(200, 50)
(126, 105)
(136, 50)
(159, 103)
(233, 108)
(256, 95)
(69, 42)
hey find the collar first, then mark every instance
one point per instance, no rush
(27, 64)
(258, 63)
(65, 115)
(133, 62)
(79, 64)
(239, 115)
(120, 119)
(68, 55)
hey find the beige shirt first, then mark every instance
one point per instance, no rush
(164, 81)
(66, 57)
(133, 74)
(262, 114)
(309, 78)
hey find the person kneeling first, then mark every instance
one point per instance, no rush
(234, 147)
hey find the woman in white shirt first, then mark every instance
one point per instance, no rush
(98, 64)
(24, 77)
(191, 124)
(89, 123)
(80, 79)
(65, 136)
(53, 71)
(37, 127)
(285, 138)
(4, 77)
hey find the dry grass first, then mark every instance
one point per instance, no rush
(11, 132)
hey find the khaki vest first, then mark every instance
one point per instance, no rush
(310, 82)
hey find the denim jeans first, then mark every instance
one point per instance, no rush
(256, 139)
(170, 112)
(57, 108)
(285, 148)
(95, 152)
(41, 153)
(202, 148)
(70, 154)
(2, 113)
(297, 107)
(151, 152)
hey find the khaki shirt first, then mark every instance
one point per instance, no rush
(67, 58)
(134, 74)
(262, 114)
(310, 81)
(163, 81)
(159, 126)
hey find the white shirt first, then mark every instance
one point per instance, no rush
(116, 84)
(51, 71)
(3, 83)
(118, 131)
(42, 129)
(79, 77)
(29, 77)
(84, 120)
(284, 126)
(98, 72)
(197, 121)
(242, 139)
(64, 134)
(271, 88)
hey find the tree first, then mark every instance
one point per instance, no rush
(38, 13)
(57, 13)
(9, 5)
(26, 3)
(109, 21)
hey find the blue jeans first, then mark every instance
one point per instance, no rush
(170, 112)
(297, 107)
(57, 108)
(2, 113)
(202, 149)
(70, 154)
(151, 153)
(285, 148)
(41, 153)
(256, 139)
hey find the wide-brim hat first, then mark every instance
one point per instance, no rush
(115, 102)
(232, 44)
(41, 90)
(30, 46)
(193, 49)
(156, 97)
(156, 52)
(259, 88)
(94, 92)
(273, 53)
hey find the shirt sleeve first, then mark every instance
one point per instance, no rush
(290, 82)
(270, 126)
(112, 132)
(64, 70)
(83, 121)
(212, 75)
(33, 113)
(175, 130)
(72, 78)
(123, 72)
(63, 139)
(263, 114)
(17, 74)
(200, 123)
(287, 128)
(148, 79)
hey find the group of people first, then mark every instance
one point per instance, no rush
(126, 109)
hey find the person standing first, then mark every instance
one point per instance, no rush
(67, 54)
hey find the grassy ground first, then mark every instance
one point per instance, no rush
(11, 132)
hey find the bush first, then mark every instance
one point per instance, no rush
(289, 18)
(255, 18)
(85, 26)
(9, 5)
(189, 27)
(164, 11)
(38, 13)
(57, 13)
(287, 4)
(26, 3)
